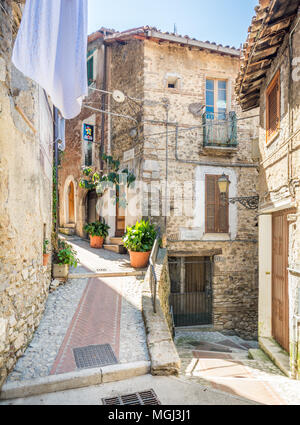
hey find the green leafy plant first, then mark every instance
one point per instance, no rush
(65, 254)
(98, 228)
(45, 244)
(140, 237)
(114, 178)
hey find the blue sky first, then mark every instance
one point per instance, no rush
(221, 21)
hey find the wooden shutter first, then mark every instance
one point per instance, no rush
(273, 106)
(216, 207)
(210, 204)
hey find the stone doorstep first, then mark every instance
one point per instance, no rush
(276, 354)
(119, 249)
(108, 274)
(73, 380)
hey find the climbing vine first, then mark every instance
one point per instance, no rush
(113, 179)
(54, 207)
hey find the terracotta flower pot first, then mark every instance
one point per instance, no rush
(45, 259)
(139, 260)
(96, 241)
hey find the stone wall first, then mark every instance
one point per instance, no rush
(164, 284)
(126, 74)
(163, 354)
(25, 199)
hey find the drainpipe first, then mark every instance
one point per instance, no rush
(55, 132)
(167, 165)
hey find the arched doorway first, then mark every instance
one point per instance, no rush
(91, 212)
(71, 203)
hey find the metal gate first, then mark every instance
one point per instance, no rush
(191, 295)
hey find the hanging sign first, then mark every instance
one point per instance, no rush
(88, 132)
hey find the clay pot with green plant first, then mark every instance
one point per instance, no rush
(97, 232)
(64, 257)
(139, 240)
(46, 254)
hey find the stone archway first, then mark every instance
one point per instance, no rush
(70, 194)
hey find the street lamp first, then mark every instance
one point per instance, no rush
(249, 202)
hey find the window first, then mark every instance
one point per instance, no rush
(90, 66)
(216, 99)
(273, 107)
(216, 207)
(173, 82)
(88, 154)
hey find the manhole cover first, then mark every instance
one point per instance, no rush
(142, 398)
(94, 356)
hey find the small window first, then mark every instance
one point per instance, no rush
(216, 99)
(173, 82)
(216, 207)
(273, 107)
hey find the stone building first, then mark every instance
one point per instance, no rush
(171, 117)
(26, 141)
(270, 79)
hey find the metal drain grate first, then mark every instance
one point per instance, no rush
(142, 398)
(94, 356)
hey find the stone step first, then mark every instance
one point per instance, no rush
(72, 380)
(67, 231)
(116, 241)
(119, 249)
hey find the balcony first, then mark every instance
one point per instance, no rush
(220, 131)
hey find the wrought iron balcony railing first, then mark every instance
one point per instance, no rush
(220, 130)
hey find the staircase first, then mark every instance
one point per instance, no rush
(115, 245)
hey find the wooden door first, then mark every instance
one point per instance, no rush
(71, 201)
(120, 219)
(280, 294)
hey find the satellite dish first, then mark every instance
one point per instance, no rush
(118, 96)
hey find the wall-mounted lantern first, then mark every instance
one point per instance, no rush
(249, 202)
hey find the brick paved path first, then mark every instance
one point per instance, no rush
(84, 312)
(96, 321)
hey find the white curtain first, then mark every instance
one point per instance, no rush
(51, 49)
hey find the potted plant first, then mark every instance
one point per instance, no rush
(64, 257)
(97, 232)
(45, 253)
(139, 240)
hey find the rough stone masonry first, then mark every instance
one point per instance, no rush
(26, 137)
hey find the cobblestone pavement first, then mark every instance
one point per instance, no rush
(86, 312)
(221, 361)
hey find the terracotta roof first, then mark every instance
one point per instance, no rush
(100, 34)
(153, 33)
(266, 33)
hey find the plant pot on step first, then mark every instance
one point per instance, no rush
(60, 270)
(139, 260)
(96, 241)
(45, 259)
